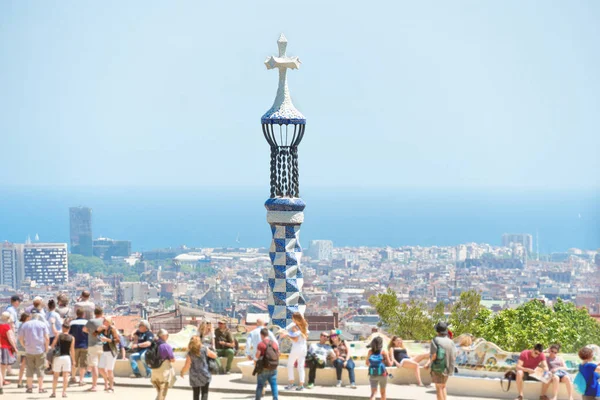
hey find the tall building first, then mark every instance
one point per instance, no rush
(46, 263)
(81, 231)
(9, 265)
(524, 239)
(320, 250)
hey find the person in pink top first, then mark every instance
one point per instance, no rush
(528, 362)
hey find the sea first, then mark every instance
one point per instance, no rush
(161, 217)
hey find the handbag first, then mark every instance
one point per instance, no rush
(213, 364)
(509, 376)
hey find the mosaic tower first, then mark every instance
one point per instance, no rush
(283, 126)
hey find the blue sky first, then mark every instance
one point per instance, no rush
(398, 93)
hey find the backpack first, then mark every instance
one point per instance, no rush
(271, 357)
(439, 365)
(376, 365)
(579, 383)
(153, 359)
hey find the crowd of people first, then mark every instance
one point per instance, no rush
(74, 342)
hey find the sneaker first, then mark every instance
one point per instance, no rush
(338, 384)
(290, 387)
(310, 386)
(138, 375)
(353, 385)
(299, 388)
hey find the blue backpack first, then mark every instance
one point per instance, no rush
(376, 365)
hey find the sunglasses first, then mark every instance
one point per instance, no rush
(324, 336)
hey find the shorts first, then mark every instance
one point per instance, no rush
(61, 364)
(35, 364)
(94, 354)
(378, 380)
(81, 358)
(7, 357)
(438, 378)
(107, 361)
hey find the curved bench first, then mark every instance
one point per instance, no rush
(327, 376)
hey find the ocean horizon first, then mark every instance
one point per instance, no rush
(157, 217)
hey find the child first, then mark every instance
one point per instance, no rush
(590, 372)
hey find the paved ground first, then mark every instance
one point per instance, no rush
(224, 387)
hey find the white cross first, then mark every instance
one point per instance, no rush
(282, 106)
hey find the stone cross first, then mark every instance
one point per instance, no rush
(282, 106)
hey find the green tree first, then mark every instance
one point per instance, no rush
(463, 315)
(534, 322)
(412, 320)
(83, 264)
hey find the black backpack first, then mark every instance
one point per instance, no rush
(153, 359)
(271, 357)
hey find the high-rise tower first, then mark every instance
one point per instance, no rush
(81, 231)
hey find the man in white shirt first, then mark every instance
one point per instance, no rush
(254, 339)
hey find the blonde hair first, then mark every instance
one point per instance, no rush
(465, 340)
(391, 343)
(195, 345)
(301, 323)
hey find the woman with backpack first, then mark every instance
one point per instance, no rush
(160, 359)
(196, 362)
(377, 360)
(297, 331)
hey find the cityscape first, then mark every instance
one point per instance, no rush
(420, 221)
(338, 281)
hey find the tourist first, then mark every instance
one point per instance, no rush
(400, 358)
(319, 355)
(142, 339)
(529, 360)
(110, 340)
(54, 327)
(591, 374)
(225, 344)
(63, 361)
(254, 339)
(13, 310)
(34, 336)
(21, 349)
(163, 376)
(37, 307)
(559, 372)
(377, 360)
(92, 328)
(62, 307)
(443, 359)
(122, 345)
(8, 346)
(297, 331)
(343, 359)
(84, 303)
(267, 354)
(80, 363)
(196, 362)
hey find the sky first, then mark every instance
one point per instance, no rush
(428, 94)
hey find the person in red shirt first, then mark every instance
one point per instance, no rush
(268, 374)
(528, 362)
